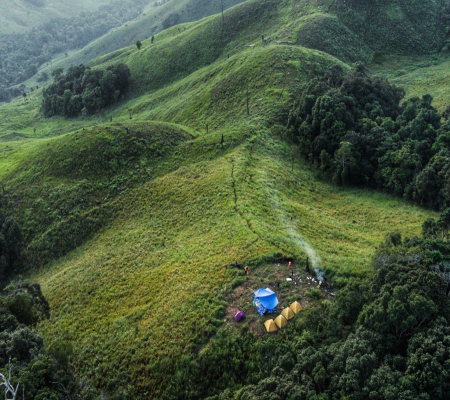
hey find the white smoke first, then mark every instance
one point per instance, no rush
(296, 237)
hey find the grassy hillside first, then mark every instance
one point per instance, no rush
(151, 22)
(149, 287)
(19, 16)
(131, 223)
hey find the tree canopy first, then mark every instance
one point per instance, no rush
(354, 130)
(84, 91)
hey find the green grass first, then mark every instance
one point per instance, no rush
(328, 34)
(403, 27)
(432, 80)
(131, 232)
(148, 24)
(418, 75)
(153, 279)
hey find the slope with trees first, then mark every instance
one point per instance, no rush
(354, 130)
(153, 224)
(384, 338)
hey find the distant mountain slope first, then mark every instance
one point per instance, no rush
(396, 26)
(151, 22)
(20, 16)
(356, 30)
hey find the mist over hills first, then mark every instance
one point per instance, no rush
(261, 135)
(20, 16)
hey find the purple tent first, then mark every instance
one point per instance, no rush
(240, 315)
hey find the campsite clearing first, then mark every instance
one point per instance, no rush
(268, 276)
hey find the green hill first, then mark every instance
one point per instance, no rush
(18, 16)
(131, 223)
(149, 23)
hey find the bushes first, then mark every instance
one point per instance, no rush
(10, 240)
(21, 306)
(84, 91)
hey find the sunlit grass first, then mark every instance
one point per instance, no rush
(149, 282)
(153, 279)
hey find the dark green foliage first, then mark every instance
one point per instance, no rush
(383, 339)
(21, 306)
(26, 302)
(10, 240)
(84, 91)
(354, 129)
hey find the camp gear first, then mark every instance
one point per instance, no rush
(280, 321)
(240, 315)
(266, 300)
(270, 325)
(296, 307)
(287, 313)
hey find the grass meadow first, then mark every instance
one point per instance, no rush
(132, 215)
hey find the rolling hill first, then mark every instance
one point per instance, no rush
(132, 216)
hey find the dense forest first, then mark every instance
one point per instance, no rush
(22, 55)
(355, 131)
(11, 240)
(82, 91)
(28, 368)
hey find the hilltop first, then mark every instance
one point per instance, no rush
(133, 215)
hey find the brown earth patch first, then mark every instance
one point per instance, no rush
(272, 276)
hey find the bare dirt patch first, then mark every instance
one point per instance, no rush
(272, 276)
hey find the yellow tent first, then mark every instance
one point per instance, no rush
(287, 313)
(270, 325)
(280, 321)
(296, 307)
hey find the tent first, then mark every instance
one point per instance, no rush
(265, 301)
(287, 313)
(280, 321)
(296, 307)
(270, 325)
(240, 315)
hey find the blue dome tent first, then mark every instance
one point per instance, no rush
(265, 301)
